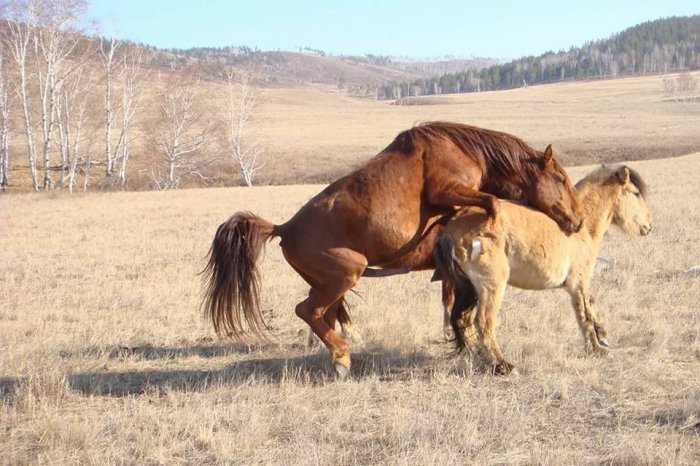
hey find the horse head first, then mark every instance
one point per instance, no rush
(631, 212)
(553, 194)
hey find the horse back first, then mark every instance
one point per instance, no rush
(378, 210)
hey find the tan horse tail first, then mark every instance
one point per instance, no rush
(232, 276)
(466, 297)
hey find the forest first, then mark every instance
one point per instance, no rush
(658, 47)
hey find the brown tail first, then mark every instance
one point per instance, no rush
(465, 293)
(232, 292)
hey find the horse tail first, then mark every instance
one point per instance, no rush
(465, 294)
(232, 276)
(343, 316)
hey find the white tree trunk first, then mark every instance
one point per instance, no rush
(132, 81)
(108, 63)
(17, 37)
(4, 128)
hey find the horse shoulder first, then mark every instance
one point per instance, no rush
(444, 162)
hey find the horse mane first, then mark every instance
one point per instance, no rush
(501, 154)
(637, 180)
(605, 171)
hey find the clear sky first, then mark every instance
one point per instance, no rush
(412, 28)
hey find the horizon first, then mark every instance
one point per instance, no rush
(367, 28)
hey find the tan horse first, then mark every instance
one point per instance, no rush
(525, 248)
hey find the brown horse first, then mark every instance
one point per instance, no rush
(385, 214)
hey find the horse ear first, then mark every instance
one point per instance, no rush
(623, 175)
(548, 155)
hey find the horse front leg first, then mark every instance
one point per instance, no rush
(450, 191)
(591, 326)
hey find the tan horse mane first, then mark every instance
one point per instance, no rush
(605, 171)
(503, 154)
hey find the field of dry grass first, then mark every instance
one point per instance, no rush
(105, 357)
(317, 133)
(314, 133)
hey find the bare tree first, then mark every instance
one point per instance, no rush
(108, 50)
(17, 37)
(682, 89)
(180, 137)
(56, 37)
(240, 105)
(132, 77)
(686, 86)
(71, 107)
(5, 108)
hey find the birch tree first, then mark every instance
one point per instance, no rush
(132, 77)
(180, 137)
(17, 37)
(108, 50)
(5, 128)
(241, 101)
(56, 37)
(71, 107)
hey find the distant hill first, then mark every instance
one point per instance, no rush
(660, 46)
(358, 74)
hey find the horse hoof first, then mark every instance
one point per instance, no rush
(503, 368)
(600, 350)
(341, 371)
(604, 342)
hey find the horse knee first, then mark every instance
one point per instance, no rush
(304, 312)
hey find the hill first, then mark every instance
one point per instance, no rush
(360, 75)
(313, 134)
(318, 131)
(653, 47)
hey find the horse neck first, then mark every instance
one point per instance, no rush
(511, 181)
(597, 203)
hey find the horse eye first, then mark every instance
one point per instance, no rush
(638, 194)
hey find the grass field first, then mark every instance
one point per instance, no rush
(314, 134)
(106, 359)
(317, 133)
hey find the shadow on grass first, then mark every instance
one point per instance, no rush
(150, 352)
(312, 369)
(8, 385)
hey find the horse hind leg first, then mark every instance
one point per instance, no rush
(337, 313)
(333, 275)
(448, 301)
(489, 304)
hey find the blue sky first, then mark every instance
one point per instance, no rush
(420, 29)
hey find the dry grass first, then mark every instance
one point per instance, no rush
(314, 133)
(105, 358)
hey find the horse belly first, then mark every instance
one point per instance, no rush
(530, 274)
